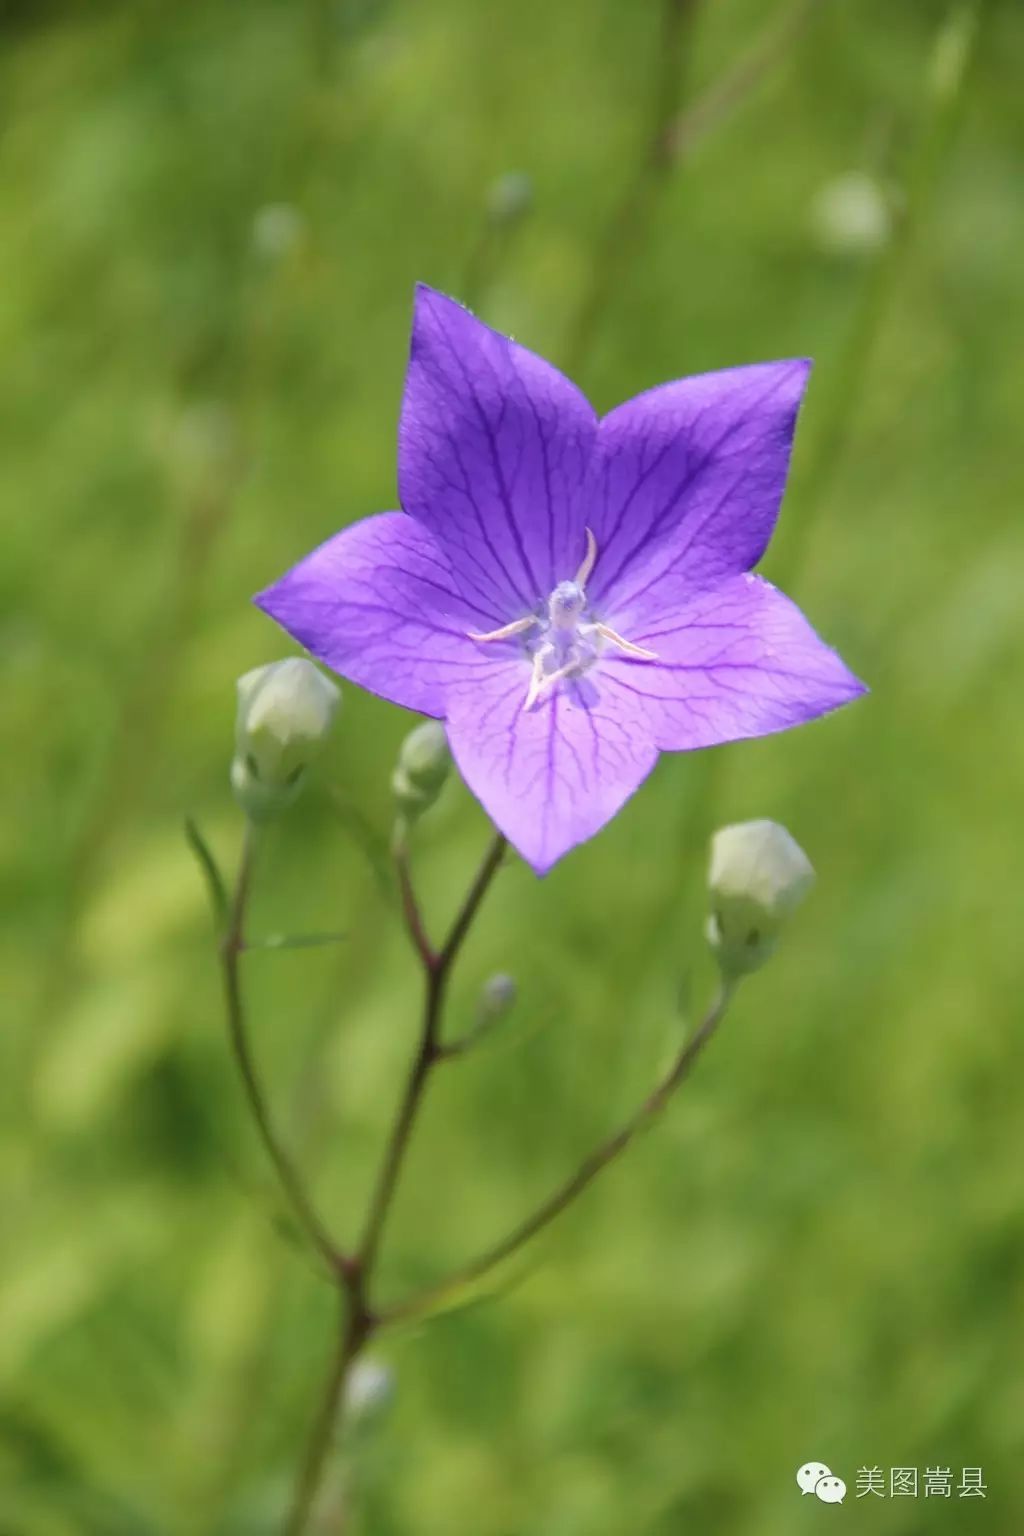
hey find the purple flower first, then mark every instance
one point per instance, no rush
(571, 596)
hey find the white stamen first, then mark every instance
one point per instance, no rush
(541, 681)
(607, 633)
(564, 636)
(571, 669)
(536, 676)
(505, 632)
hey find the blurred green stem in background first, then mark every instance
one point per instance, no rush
(946, 73)
(508, 202)
(945, 76)
(630, 215)
(675, 130)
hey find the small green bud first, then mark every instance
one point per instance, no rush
(497, 998)
(757, 876)
(509, 197)
(370, 1390)
(277, 230)
(285, 712)
(853, 216)
(423, 764)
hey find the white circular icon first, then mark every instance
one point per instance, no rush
(830, 1490)
(810, 1474)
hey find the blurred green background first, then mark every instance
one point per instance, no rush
(213, 214)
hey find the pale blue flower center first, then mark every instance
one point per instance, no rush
(565, 605)
(565, 641)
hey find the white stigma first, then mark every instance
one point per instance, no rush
(565, 605)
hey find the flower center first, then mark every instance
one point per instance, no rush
(565, 644)
(565, 605)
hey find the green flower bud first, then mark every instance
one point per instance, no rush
(285, 712)
(370, 1390)
(509, 197)
(852, 216)
(423, 764)
(757, 875)
(497, 998)
(277, 230)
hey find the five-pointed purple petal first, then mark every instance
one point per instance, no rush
(506, 479)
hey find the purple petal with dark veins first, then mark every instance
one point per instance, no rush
(551, 776)
(379, 605)
(687, 480)
(737, 661)
(493, 449)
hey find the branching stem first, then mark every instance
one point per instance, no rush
(352, 1273)
(574, 1186)
(437, 966)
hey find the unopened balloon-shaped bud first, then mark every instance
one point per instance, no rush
(285, 713)
(757, 875)
(423, 763)
(497, 999)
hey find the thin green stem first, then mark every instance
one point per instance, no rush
(734, 88)
(436, 968)
(353, 1274)
(355, 1326)
(279, 941)
(411, 913)
(628, 219)
(953, 54)
(211, 873)
(354, 1329)
(231, 949)
(845, 384)
(471, 905)
(489, 248)
(956, 45)
(401, 1131)
(574, 1186)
